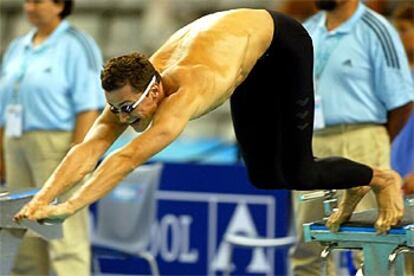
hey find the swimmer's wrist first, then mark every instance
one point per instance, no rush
(73, 205)
(39, 199)
(69, 207)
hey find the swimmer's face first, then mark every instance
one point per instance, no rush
(133, 107)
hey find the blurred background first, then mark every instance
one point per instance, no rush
(143, 25)
(194, 201)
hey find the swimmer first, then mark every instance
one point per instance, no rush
(262, 61)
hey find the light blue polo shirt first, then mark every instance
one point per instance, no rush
(361, 68)
(56, 80)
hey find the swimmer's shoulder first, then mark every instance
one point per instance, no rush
(187, 76)
(218, 44)
(254, 21)
(234, 21)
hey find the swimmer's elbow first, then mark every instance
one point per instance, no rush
(170, 130)
(170, 134)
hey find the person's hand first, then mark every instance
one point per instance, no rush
(41, 212)
(27, 211)
(408, 185)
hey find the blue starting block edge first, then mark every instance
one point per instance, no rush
(359, 229)
(348, 234)
(376, 249)
(21, 195)
(354, 234)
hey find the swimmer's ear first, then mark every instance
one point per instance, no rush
(155, 91)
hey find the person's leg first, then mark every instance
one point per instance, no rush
(274, 130)
(305, 257)
(300, 170)
(294, 55)
(31, 258)
(18, 173)
(272, 113)
(259, 149)
(256, 113)
(369, 145)
(72, 253)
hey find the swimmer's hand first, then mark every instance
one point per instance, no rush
(27, 211)
(408, 185)
(45, 214)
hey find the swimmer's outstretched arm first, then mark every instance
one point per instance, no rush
(169, 121)
(79, 161)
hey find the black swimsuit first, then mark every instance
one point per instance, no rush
(272, 113)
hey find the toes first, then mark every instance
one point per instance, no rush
(335, 221)
(382, 229)
(386, 219)
(383, 225)
(333, 227)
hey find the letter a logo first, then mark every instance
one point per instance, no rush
(241, 223)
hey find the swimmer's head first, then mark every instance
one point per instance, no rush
(133, 89)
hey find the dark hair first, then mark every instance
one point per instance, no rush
(67, 7)
(134, 69)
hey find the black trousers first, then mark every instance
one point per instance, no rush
(272, 112)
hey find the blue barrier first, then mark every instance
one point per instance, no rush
(197, 205)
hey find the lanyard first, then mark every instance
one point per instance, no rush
(324, 51)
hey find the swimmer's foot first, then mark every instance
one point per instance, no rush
(348, 204)
(386, 185)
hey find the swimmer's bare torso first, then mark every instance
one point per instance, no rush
(211, 56)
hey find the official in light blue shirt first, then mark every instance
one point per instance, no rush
(369, 75)
(54, 81)
(50, 78)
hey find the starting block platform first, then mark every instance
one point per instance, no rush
(11, 233)
(380, 251)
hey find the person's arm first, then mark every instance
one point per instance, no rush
(84, 121)
(169, 121)
(80, 160)
(392, 79)
(2, 164)
(397, 119)
(408, 186)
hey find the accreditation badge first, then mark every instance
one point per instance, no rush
(319, 120)
(14, 120)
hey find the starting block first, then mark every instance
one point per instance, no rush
(11, 233)
(380, 252)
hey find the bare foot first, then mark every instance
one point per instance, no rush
(386, 185)
(348, 204)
